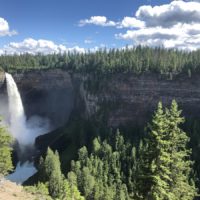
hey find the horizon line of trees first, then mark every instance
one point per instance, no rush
(139, 59)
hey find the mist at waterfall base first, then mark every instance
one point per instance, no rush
(23, 131)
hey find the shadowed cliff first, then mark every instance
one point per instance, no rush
(117, 99)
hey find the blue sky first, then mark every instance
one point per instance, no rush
(58, 21)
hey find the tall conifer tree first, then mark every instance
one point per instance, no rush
(165, 165)
(5, 151)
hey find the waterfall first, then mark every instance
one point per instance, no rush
(24, 131)
(16, 112)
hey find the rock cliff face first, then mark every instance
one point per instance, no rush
(133, 98)
(3, 96)
(46, 93)
(120, 99)
(2, 77)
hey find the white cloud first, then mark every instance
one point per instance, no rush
(130, 22)
(1, 51)
(142, 35)
(170, 14)
(4, 28)
(97, 20)
(181, 36)
(173, 25)
(76, 49)
(127, 22)
(32, 46)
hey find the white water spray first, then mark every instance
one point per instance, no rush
(16, 111)
(24, 131)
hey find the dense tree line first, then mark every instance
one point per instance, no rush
(5, 151)
(54, 181)
(159, 168)
(137, 60)
(192, 126)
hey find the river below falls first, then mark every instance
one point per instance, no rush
(22, 172)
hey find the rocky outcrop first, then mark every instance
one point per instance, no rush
(90, 101)
(3, 96)
(2, 78)
(47, 93)
(131, 99)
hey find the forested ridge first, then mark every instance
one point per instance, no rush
(159, 167)
(139, 59)
(163, 164)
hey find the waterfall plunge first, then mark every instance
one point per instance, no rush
(24, 131)
(16, 112)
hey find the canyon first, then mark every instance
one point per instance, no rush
(116, 100)
(123, 98)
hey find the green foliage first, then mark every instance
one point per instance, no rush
(166, 166)
(71, 190)
(52, 173)
(181, 166)
(40, 191)
(102, 174)
(5, 151)
(193, 128)
(106, 61)
(158, 168)
(55, 183)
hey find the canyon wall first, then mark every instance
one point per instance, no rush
(131, 99)
(45, 93)
(118, 99)
(2, 77)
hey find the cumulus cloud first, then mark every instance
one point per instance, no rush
(127, 22)
(170, 14)
(130, 22)
(151, 33)
(175, 37)
(33, 46)
(173, 25)
(97, 20)
(5, 29)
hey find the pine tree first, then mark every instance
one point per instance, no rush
(182, 185)
(53, 174)
(5, 151)
(71, 191)
(165, 164)
(152, 186)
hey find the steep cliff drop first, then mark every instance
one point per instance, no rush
(16, 112)
(23, 131)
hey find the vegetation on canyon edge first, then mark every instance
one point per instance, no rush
(160, 167)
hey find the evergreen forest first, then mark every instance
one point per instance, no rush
(107, 61)
(160, 167)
